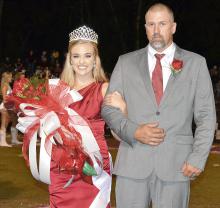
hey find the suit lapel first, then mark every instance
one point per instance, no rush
(172, 79)
(144, 70)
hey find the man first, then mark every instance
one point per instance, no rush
(159, 154)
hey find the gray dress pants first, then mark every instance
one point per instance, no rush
(140, 193)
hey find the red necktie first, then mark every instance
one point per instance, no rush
(157, 78)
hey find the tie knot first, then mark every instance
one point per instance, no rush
(159, 56)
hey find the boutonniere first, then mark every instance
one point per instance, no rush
(176, 66)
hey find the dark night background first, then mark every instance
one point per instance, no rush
(45, 25)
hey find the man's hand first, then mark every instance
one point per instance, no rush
(150, 134)
(190, 171)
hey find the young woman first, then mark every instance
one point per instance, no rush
(7, 115)
(84, 73)
(5, 90)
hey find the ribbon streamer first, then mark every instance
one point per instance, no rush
(47, 125)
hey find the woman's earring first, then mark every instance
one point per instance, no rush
(94, 70)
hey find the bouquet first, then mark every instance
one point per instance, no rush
(34, 99)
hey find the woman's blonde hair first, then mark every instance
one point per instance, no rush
(5, 76)
(68, 74)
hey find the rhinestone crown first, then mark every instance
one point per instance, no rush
(83, 33)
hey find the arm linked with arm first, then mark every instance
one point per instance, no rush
(116, 120)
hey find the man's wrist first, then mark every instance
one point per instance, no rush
(137, 133)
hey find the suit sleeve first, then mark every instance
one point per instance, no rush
(115, 119)
(204, 117)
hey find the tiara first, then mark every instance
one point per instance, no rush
(83, 33)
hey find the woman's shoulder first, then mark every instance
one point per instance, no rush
(104, 88)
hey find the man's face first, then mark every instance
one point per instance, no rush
(160, 28)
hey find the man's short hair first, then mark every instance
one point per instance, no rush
(161, 5)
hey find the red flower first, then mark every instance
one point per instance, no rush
(25, 89)
(20, 86)
(176, 66)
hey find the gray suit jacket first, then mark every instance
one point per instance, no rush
(187, 95)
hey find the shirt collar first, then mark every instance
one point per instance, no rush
(168, 51)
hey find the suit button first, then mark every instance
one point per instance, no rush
(157, 113)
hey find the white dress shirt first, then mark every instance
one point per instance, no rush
(165, 62)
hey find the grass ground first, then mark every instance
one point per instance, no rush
(19, 190)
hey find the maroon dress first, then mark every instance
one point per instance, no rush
(81, 194)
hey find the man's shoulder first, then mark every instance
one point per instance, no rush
(190, 55)
(133, 54)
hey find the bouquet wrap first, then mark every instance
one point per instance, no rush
(65, 136)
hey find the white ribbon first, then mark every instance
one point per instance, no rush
(103, 180)
(48, 124)
(103, 183)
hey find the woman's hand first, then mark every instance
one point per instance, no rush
(116, 100)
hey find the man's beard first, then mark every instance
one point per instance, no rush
(157, 42)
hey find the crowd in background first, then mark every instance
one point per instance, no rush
(35, 64)
(52, 62)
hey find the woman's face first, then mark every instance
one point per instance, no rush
(82, 58)
(9, 78)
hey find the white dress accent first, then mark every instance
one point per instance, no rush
(8, 92)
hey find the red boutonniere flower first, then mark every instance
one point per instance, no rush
(176, 66)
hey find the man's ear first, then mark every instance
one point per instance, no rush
(174, 27)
